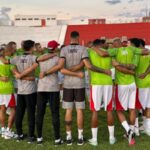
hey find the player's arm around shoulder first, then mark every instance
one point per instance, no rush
(55, 68)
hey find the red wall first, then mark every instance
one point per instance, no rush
(91, 32)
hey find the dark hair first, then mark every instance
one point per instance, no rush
(103, 41)
(97, 42)
(28, 44)
(74, 34)
(62, 46)
(135, 42)
(142, 42)
(37, 44)
(11, 43)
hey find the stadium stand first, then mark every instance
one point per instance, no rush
(90, 32)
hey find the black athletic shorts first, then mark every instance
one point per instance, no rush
(74, 95)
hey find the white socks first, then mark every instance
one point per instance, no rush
(143, 117)
(8, 129)
(3, 129)
(94, 133)
(132, 128)
(126, 126)
(40, 139)
(69, 136)
(111, 132)
(144, 122)
(137, 122)
(58, 140)
(147, 125)
(80, 133)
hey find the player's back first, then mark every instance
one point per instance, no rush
(73, 55)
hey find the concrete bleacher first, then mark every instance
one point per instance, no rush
(38, 34)
(91, 32)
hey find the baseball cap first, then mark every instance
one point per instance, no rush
(52, 44)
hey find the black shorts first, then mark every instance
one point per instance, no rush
(74, 95)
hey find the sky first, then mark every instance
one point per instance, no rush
(76, 8)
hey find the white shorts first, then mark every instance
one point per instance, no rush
(8, 100)
(99, 94)
(143, 97)
(125, 96)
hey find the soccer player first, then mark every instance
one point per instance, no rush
(143, 84)
(7, 98)
(126, 87)
(26, 97)
(12, 46)
(38, 49)
(74, 89)
(48, 91)
(101, 90)
(20, 51)
(26, 65)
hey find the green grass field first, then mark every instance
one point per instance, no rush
(143, 142)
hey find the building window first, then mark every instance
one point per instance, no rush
(48, 19)
(17, 19)
(53, 18)
(24, 19)
(30, 19)
(36, 18)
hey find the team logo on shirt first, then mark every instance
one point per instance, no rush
(124, 52)
(23, 61)
(73, 51)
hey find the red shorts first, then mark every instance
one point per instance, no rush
(12, 102)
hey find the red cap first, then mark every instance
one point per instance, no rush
(52, 44)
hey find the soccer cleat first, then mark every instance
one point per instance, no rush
(39, 141)
(136, 131)
(148, 133)
(3, 132)
(142, 128)
(131, 136)
(93, 142)
(31, 140)
(9, 134)
(112, 141)
(69, 142)
(58, 142)
(125, 135)
(80, 141)
(20, 137)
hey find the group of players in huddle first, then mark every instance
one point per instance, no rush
(119, 78)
